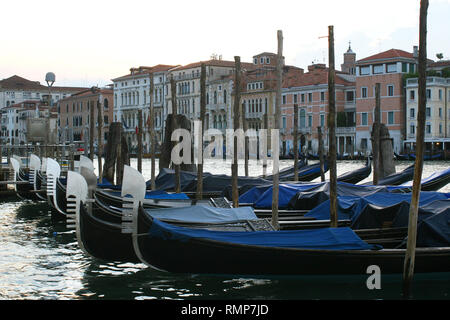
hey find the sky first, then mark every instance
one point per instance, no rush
(88, 43)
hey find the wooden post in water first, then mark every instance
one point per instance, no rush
(266, 127)
(236, 107)
(152, 133)
(173, 89)
(295, 142)
(376, 136)
(408, 269)
(99, 139)
(139, 139)
(275, 146)
(91, 130)
(199, 194)
(245, 127)
(321, 160)
(332, 129)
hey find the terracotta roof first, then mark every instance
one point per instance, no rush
(437, 64)
(19, 83)
(390, 54)
(16, 82)
(313, 78)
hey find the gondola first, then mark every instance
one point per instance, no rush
(25, 188)
(100, 232)
(305, 173)
(396, 179)
(434, 182)
(338, 251)
(357, 175)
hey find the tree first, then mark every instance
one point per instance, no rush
(440, 56)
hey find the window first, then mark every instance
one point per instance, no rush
(350, 96)
(310, 97)
(428, 112)
(364, 70)
(268, 60)
(364, 121)
(284, 122)
(391, 67)
(364, 143)
(390, 89)
(391, 117)
(412, 113)
(302, 97)
(255, 61)
(295, 98)
(224, 96)
(412, 68)
(428, 128)
(262, 60)
(428, 94)
(310, 123)
(322, 96)
(364, 92)
(440, 113)
(412, 95)
(377, 69)
(440, 128)
(440, 94)
(284, 99)
(322, 120)
(412, 128)
(404, 67)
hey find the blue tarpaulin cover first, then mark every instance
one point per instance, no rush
(320, 239)
(435, 176)
(351, 207)
(203, 214)
(157, 194)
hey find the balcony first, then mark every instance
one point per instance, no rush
(301, 131)
(345, 130)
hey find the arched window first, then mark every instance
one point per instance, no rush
(215, 97)
(105, 103)
(224, 96)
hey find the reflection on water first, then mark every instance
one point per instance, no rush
(40, 259)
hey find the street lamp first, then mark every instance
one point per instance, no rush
(50, 79)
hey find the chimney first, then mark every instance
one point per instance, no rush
(415, 51)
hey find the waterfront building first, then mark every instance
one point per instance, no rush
(132, 92)
(387, 68)
(74, 115)
(16, 89)
(15, 125)
(437, 125)
(309, 92)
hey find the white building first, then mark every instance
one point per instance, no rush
(16, 89)
(132, 93)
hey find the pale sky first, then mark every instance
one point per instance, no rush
(88, 43)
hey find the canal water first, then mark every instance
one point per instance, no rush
(40, 259)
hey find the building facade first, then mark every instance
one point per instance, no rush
(387, 68)
(132, 93)
(437, 125)
(74, 115)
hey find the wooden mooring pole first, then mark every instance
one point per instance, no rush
(91, 130)
(376, 136)
(139, 140)
(275, 146)
(236, 115)
(199, 194)
(245, 127)
(321, 159)
(152, 134)
(99, 139)
(173, 89)
(408, 269)
(332, 129)
(295, 142)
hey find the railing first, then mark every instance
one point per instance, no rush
(345, 130)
